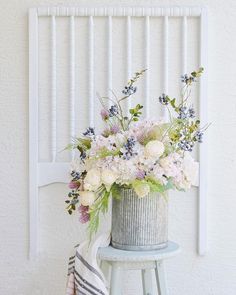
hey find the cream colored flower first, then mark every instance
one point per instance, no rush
(154, 149)
(87, 198)
(142, 189)
(93, 179)
(190, 168)
(108, 177)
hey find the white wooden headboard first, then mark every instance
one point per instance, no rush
(52, 171)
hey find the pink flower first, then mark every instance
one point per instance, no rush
(104, 114)
(115, 129)
(140, 174)
(84, 214)
(73, 185)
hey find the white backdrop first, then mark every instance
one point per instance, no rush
(187, 273)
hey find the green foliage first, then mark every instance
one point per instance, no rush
(70, 147)
(173, 103)
(103, 153)
(137, 75)
(100, 205)
(83, 144)
(156, 186)
(115, 191)
(197, 74)
(71, 202)
(135, 113)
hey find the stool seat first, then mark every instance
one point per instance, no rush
(148, 262)
(113, 254)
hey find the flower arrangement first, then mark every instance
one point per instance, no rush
(142, 154)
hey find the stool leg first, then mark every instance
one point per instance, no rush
(115, 287)
(105, 268)
(160, 278)
(147, 281)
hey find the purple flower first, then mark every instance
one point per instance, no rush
(191, 112)
(76, 175)
(73, 185)
(186, 145)
(83, 156)
(115, 129)
(185, 113)
(140, 174)
(104, 114)
(198, 136)
(129, 148)
(113, 111)
(129, 90)
(187, 79)
(164, 99)
(89, 132)
(84, 214)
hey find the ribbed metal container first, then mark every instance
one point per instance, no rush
(139, 223)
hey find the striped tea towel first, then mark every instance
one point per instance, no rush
(84, 275)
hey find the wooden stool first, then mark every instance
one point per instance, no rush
(146, 261)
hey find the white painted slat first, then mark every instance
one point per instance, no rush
(33, 133)
(202, 210)
(119, 11)
(129, 52)
(166, 61)
(54, 88)
(91, 71)
(109, 63)
(184, 45)
(72, 79)
(147, 64)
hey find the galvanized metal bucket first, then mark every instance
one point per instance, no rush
(139, 223)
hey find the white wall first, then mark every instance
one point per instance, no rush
(188, 273)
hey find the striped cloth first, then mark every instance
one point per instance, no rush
(84, 275)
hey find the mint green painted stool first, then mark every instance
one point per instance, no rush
(117, 260)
